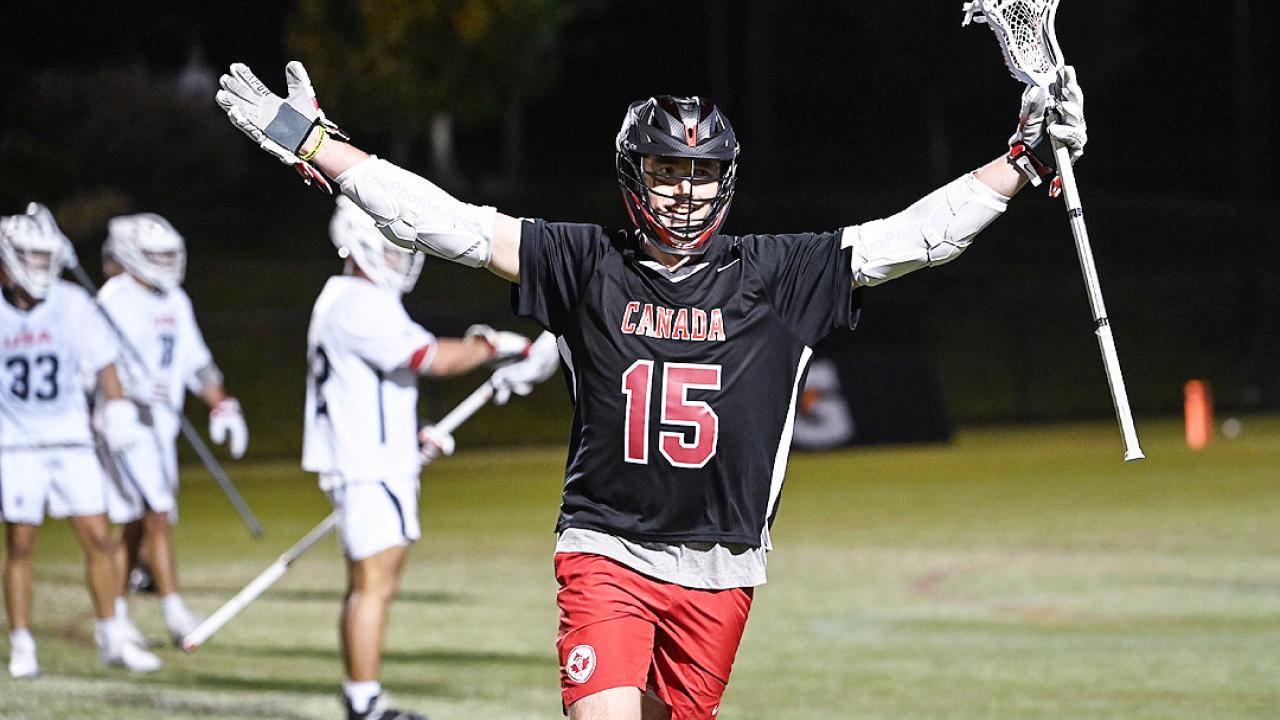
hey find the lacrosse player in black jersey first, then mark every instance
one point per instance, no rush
(684, 350)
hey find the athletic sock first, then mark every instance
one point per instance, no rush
(122, 607)
(361, 694)
(105, 632)
(21, 637)
(173, 606)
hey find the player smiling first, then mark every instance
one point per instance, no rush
(678, 448)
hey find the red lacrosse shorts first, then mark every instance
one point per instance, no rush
(619, 628)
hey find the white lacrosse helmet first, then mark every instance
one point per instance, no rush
(356, 235)
(148, 248)
(44, 216)
(32, 256)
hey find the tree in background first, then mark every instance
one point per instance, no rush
(411, 69)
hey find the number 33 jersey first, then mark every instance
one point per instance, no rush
(47, 354)
(684, 382)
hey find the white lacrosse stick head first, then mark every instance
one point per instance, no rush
(1025, 30)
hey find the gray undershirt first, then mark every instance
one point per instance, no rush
(700, 565)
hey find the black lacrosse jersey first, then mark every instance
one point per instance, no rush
(684, 389)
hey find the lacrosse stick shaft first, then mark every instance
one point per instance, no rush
(212, 624)
(215, 469)
(188, 431)
(257, 586)
(465, 409)
(1102, 325)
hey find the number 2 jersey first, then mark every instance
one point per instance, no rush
(47, 354)
(165, 351)
(684, 382)
(361, 420)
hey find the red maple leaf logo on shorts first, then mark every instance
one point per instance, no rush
(580, 663)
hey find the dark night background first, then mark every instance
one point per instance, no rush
(846, 111)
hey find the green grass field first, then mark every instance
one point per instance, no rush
(1018, 573)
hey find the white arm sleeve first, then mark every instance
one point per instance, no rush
(416, 215)
(933, 231)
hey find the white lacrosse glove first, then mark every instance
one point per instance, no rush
(1030, 130)
(504, 346)
(121, 426)
(226, 425)
(1066, 121)
(1027, 153)
(519, 377)
(432, 443)
(1057, 112)
(280, 125)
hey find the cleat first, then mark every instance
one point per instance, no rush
(182, 624)
(115, 650)
(378, 710)
(22, 658)
(134, 635)
(138, 659)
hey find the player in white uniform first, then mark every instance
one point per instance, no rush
(51, 337)
(163, 355)
(361, 428)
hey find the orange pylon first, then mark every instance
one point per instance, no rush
(1198, 407)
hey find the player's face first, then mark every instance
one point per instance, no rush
(681, 190)
(37, 264)
(111, 268)
(166, 259)
(397, 260)
(36, 261)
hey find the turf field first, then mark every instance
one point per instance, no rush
(1018, 573)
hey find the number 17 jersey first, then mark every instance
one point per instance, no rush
(684, 382)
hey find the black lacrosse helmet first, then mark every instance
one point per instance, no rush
(675, 127)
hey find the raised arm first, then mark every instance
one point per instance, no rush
(941, 225)
(410, 210)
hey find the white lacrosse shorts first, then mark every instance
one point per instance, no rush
(144, 477)
(65, 482)
(375, 516)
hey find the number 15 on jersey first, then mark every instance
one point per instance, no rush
(681, 448)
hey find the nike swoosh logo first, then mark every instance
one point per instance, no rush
(726, 267)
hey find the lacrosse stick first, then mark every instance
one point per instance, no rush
(1025, 30)
(212, 624)
(188, 431)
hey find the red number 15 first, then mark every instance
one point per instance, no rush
(677, 409)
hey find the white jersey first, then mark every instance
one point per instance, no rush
(362, 397)
(170, 350)
(46, 354)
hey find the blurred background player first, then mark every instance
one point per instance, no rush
(685, 350)
(361, 429)
(110, 266)
(51, 337)
(147, 303)
(137, 566)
